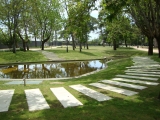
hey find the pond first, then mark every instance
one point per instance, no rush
(51, 69)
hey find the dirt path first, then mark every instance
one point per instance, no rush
(48, 55)
(145, 49)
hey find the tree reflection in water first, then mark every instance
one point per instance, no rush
(51, 70)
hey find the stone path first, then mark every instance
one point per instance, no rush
(22, 82)
(143, 72)
(36, 100)
(91, 93)
(5, 99)
(137, 77)
(135, 81)
(124, 84)
(65, 97)
(50, 55)
(114, 89)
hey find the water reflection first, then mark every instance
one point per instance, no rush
(51, 70)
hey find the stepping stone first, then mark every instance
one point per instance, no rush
(5, 99)
(66, 98)
(145, 63)
(145, 66)
(137, 77)
(114, 89)
(124, 84)
(91, 93)
(142, 72)
(139, 74)
(135, 81)
(145, 70)
(35, 100)
(22, 82)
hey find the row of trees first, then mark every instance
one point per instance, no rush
(124, 21)
(121, 19)
(42, 19)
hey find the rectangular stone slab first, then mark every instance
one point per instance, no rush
(137, 77)
(135, 81)
(35, 100)
(124, 84)
(91, 93)
(145, 70)
(5, 99)
(142, 72)
(145, 75)
(22, 82)
(65, 97)
(145, 66)
(114, 89)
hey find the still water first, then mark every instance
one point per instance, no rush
(51, 70)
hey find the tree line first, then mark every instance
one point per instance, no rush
(119, 22)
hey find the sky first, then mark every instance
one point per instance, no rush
(94, 13)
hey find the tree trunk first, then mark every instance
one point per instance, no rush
(42, 46)
(14, 43)
(84, 45)
(87, 46)
(24, 45)
(27, 46)
(114, 45)
(80, 46)
(150, 45)
(126, 43)
(35, 38)
(73, 42)
(158, 41)
(43, 41)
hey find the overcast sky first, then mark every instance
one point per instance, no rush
(95, 14)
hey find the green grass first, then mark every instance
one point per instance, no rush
(143, 106)
(95, 52)
(20, 56)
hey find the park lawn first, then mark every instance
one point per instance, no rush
(20, 56)
(96, 52)
(143, 106)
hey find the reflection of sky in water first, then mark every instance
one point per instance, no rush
(95, 64)
(51, 70)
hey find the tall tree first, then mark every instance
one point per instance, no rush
(10, 13)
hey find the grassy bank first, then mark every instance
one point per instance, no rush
(143, 106)
(20, 56)
(96, 52)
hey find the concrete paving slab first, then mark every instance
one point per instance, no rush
(124, 84)
(135, 81)
(35, 100)
(142, 72)
(65, 97)
(21, 82)
(91, 93)
(5, 99)
(145, 75)
(145, 62)
(137, 77)
(145, 66)
(145, 70)
(114, 89)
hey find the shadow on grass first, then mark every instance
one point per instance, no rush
(88, 53)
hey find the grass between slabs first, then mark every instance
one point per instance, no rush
(143, 106)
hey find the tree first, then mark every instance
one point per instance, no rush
(145, 14)
(47, 14)
(10, 13)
